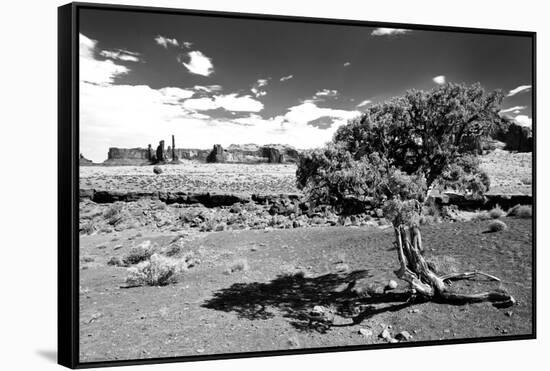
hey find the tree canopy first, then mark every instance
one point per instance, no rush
(397, 150)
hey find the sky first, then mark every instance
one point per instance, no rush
(211, 80)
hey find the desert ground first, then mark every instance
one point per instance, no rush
(510, 173)
(249, 275)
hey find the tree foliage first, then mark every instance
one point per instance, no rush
(395, 151)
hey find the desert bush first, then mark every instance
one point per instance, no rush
(116, 261)
(497, 226)
(172, 249)
(157, 271)
(87, 259)
(112, 213)
(521, 211)
(496, 212)
(88, 228)
(139, 253)
(237, 266)
(430, 219)
(524, 211)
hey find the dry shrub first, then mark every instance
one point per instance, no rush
(113, 214)
(521, 211)
(88, 228)
(496, 212)
(497, 226)
(172, 249)
(430, 219)
(116, 261)
(87, 259)
(157, 271)
(139, 253)
(481, 216)
(237, 266)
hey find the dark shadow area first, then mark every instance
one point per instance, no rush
(294, 296)
(50, 355)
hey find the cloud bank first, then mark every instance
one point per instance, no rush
(129, 116)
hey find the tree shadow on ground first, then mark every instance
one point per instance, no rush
(294, 296)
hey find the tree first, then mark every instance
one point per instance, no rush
(393, 155)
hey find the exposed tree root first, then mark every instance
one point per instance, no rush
(466, 275)
(414, 270)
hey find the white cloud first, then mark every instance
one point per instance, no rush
(120, 54)
(308, 111)
(93, 70)
(523, 120)
(347, 64)
(519, 89)
(208, 88)
(130, 116)
(261, 82)
(134, 116)
(389, 31)
(175, 95)
(364, 103)
(255, 89)
(200, 104)
(284, 78)
(199, 64)
(229, 102)
(326, 93)
(439, 80)
(513, 109)
(165, 41)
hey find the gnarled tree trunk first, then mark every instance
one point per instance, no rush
(424, 282)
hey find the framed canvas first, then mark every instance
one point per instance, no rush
(239, 185)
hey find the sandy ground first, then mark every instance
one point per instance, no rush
(510, 173)
(191, 176)
(289, 272)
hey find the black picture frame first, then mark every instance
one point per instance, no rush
(68, 182)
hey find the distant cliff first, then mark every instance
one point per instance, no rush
(246, 153)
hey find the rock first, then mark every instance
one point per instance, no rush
(342, 268)
(216, 155)
(391, 285)
(116, 261)
(379, 213)
(82, 161)
(161, 154)
(386, 335)
(318, 309)
(236, 208)
(365, 332)
(273, 155)
(517, 138)
(404, 336)
(157, 170)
